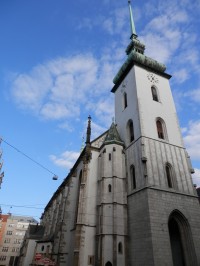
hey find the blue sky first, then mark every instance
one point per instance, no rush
(57, 62)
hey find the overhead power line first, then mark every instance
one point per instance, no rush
(22, 206)
(55, 177)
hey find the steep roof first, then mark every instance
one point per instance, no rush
(113, 136)
(35, 231)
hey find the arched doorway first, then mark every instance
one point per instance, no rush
(182, 246)
(176, 244)
(108, 263)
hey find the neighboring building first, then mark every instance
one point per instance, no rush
(3, 222)
(14, 231)
(27, 252)
(129, 199)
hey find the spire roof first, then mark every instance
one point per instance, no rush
(135, 54)
(113, 136)
(133, 31)
(88, 134)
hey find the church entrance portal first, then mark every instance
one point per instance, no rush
(182, 246)
(176, 245)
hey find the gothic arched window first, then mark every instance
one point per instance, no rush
(130, 130)
(154, 93)
(133, 179)
(161, 129)
(109, 188)
(168, 171)
(125, 104)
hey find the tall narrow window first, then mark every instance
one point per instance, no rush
(154, 94)
(168, 170)
(160, 129)
(120, 248)
(130, 131)
(133, 179)
(125, 100)
(109, 188)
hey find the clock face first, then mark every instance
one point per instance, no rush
(152, 78)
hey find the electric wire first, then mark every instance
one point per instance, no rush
(21, 206)
(27, 156)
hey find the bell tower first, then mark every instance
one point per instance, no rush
(163, 209)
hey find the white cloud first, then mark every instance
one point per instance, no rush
(193, 95)
(184, 130)
(66, 126)
(192, 140)
(155, 43)
(66, 159)
(108, 25)
(116, 21)
(169, 35)
(29, 90)
(56, 111)
(163, 36)
(57, 89)
(181, 75)
(97, 130)
(103, 109)
(63, 88)
(196, 177)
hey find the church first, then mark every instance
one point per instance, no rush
(129, 199)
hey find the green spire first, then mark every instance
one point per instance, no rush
(133, 31)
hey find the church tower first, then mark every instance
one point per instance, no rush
(111, 231)
(163, 209)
